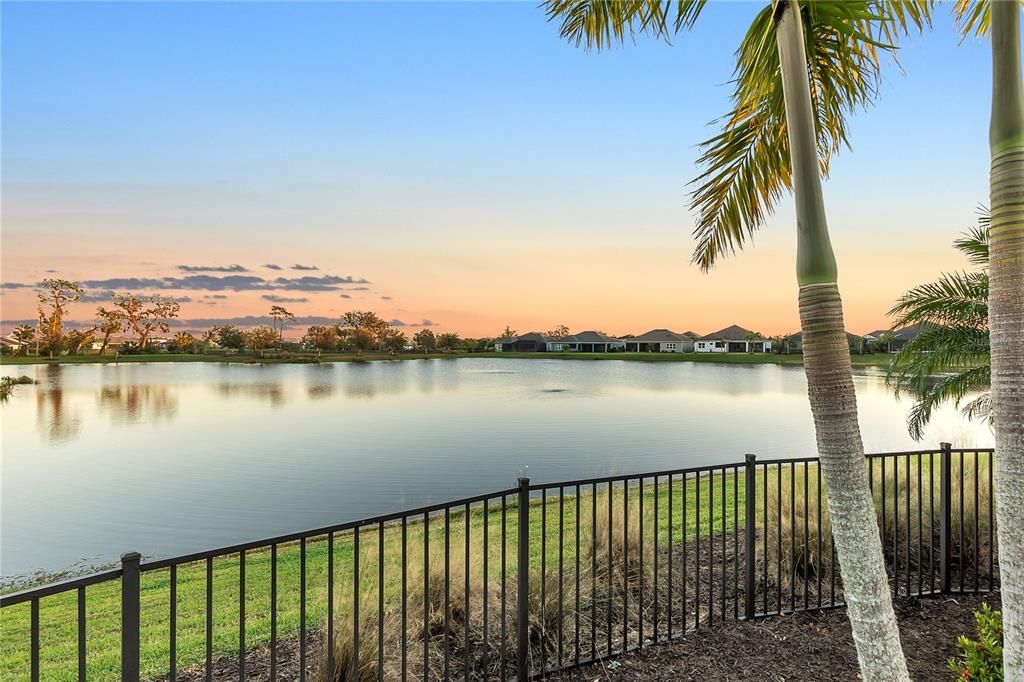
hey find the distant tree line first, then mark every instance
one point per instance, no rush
(141, 317)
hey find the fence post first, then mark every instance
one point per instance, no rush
(130, 616)
(945, 516)
(523, 576)
(749, 535)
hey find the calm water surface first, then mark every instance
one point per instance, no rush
(171, 458)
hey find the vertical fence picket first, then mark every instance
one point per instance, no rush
(130, 615)
(522, 576)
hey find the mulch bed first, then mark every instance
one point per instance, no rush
(805, 646)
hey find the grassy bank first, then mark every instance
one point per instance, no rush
(562, 531)
(877, 359)
(58, 614)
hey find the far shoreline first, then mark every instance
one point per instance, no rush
(286, 357)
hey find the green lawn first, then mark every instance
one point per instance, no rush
(58, 614)
(876, 359)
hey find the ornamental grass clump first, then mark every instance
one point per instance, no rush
(905, 499)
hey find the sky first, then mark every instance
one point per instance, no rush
(455, 165)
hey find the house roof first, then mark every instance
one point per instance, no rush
(904, 334)
(799, 337)
(531, 336)
(731, 333)
(660, 336)
(909, 333)
(692, 335)
(590, 337)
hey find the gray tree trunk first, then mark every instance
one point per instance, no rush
(830, 380)
(1006, 320)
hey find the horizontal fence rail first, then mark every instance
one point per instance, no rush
(518, 583)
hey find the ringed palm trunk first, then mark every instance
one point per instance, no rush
(1006, 320)
(830, 380)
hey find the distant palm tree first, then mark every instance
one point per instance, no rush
(789, 118)
(750, 337)
(950, 359)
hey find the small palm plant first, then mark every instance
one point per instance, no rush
(949, 360)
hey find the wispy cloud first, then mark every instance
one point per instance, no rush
(401, 323)
(299, 266)
(272, 266)
(274, 298)
(385, 298)
(213, 268)
(222, 283)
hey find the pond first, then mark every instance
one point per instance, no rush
(168, 458)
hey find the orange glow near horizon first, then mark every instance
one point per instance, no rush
(620, 283)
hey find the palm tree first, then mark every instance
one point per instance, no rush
(949, 359)
(750, 337)
(789, 119)
(1006, 308)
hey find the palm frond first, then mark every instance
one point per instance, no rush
(974, 242)
(599, 24)
(979, 407)
(745, 167)
(935, 350)
(972, 16)
(949, 388)
(958, 298)
(905, 17)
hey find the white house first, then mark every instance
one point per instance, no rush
(734, 339)
(660, 341)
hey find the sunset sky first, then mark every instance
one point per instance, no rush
(453, 164)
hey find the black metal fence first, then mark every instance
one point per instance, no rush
(513, 584)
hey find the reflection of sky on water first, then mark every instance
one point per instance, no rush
(168, 458)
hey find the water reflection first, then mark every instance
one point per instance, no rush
(320, 381)
(271, 392)
(133, 404)
(57, 420)
(171, 458)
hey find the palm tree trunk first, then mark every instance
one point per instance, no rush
(1006, 320)
(830, 380)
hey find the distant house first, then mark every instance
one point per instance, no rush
(584, 342)
(733, 339)
(10, 344)
(660, 341)
(891, 341)
(115, 342)
(589, 342)
(794, 343)
(534, 342)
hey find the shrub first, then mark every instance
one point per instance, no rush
(981, 659)
(7, 385)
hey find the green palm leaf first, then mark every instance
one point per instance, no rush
(746, 166)
(599, 24)
(950, 358)
(959, 298)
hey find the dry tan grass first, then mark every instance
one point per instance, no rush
(901, 492)
(548, 615)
